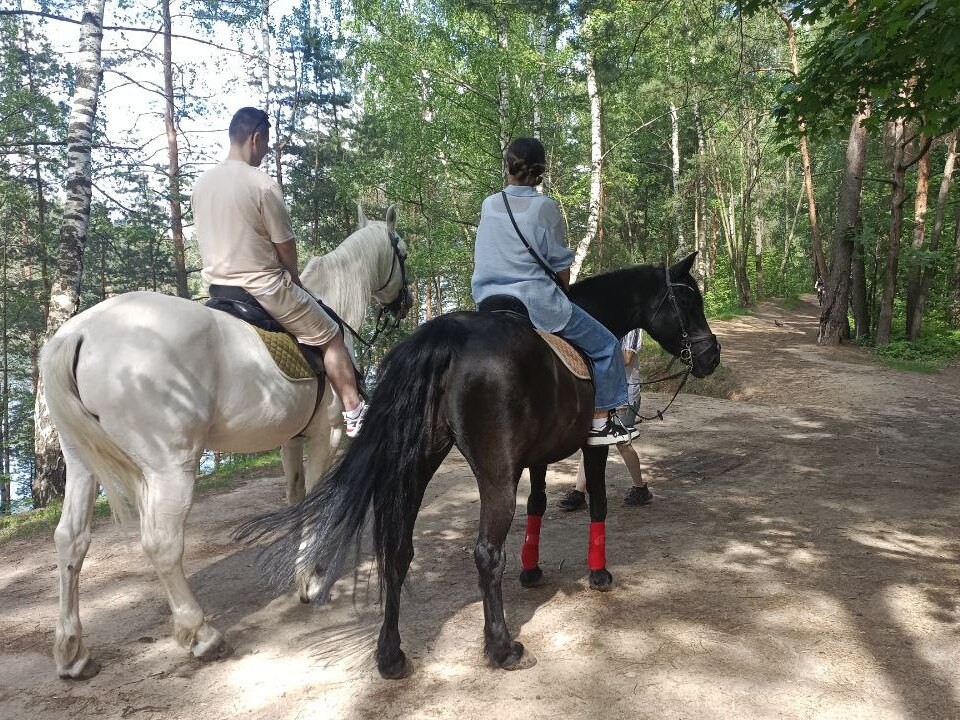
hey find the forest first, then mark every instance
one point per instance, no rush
(793, 145)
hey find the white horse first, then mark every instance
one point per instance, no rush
(140, 384)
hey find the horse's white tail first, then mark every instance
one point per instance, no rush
(109, 464)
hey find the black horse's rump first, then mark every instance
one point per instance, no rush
(488, 384)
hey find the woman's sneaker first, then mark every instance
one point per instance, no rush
(638, 496)
(353, 419)
(572, 499)
(612, 433)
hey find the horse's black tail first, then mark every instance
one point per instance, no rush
(379, 467)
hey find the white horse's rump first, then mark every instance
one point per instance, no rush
(139, 385)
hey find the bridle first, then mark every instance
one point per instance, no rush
(391, 312)
(687, 343)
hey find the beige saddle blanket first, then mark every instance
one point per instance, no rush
(568, 354)
(286, 354)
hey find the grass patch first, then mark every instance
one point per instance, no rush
(926, 355)
(722, 383)
(44, 520)
(729, 313)
(789, 302)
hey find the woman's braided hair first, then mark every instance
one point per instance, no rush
(526, 160)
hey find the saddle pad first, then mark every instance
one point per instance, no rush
(568, 354)
(285, 353)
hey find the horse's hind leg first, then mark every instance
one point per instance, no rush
(164, 504)
(530, 573)
(498, 502)
(291, 457)
(595, 467)
(72, 538)
(391, 660)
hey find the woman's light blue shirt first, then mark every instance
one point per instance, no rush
(502, 265)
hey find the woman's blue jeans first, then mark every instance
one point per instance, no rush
(603, 349)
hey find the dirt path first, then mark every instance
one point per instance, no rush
(800, 561)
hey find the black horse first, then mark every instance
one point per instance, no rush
(487, 383)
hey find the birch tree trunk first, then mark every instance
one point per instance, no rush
(898, 196)
(503, 79)
(50, 476)
(834, 327)
(173, 158)
(596, 168)
(701, 264)
(919, 235)
(675, 178)
(929, 271)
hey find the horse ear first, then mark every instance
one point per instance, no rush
(392, 218)
(361, 218)
(684, 266)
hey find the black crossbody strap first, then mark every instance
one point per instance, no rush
(546, 268)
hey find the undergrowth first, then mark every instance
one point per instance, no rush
(928, 354)
(31, 522)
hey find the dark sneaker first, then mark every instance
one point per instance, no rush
(613, 433)
(572, 500)
(638, 496)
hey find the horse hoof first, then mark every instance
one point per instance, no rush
(214, 648)
(532, 578)
(601, 580)
(518, 658)
(90, 669)
(397, 669)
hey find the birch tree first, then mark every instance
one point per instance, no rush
(50, 477)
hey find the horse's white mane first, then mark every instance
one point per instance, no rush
(346, 277)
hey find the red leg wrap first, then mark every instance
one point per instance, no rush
(597, 554)
(530, 554)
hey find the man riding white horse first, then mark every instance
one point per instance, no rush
(246, 241)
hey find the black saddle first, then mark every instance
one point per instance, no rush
(506, 304)
(514, 307)
(238, 302)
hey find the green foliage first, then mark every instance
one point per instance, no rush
(902, 58)
(928, 354)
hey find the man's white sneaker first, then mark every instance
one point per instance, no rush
(353, 419)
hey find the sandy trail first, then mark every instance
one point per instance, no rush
(799, 561)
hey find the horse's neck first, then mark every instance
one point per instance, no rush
(343, 279)
(621, 300)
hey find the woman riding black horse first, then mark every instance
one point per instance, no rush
(489, 384)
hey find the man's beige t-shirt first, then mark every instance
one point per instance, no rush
(239, 215)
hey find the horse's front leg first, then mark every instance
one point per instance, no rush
(595, 467)
(530, 573)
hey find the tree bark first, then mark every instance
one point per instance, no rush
(929, 270)
(173, 159)
(596, 168)
(834, 327)
(50, 477)
(897, 198)
(701, 264)
(955, 286)
(919, 235)
(5, 489)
